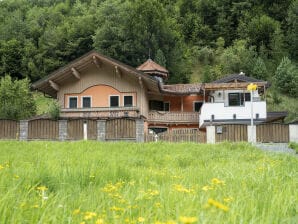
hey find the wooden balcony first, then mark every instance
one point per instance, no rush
(173, 117)
(100, 112)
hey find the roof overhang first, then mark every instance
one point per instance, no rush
(232, 85)
(50, 84)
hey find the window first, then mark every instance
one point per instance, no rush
(114, 101)
(155, 105)
(197, 106)
(86, 101)
(166, 106)
(128, 101)
(235, 99)
(73, 102)
(246, 96)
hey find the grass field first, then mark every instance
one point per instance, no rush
(91, 182)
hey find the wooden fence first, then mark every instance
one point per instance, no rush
(44, 129)
(121, 129)
(75, 129)
(273, 133)
(178, 135)
(9, 129)
(231, 132)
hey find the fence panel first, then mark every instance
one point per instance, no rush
(231, 132)
(273, 133)
(45, 129)
(178, 135)
(91, 129)
(75, 129)
(117, 129)
(9, 129)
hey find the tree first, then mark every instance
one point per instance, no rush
(286, 77)
(16, 100)
(292, 21)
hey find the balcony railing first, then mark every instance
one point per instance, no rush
(100, 112)
(173, 117)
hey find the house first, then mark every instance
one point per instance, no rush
(97, 87)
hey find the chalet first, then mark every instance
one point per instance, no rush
(98, 87)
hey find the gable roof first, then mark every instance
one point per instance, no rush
(150, 66)
(64, 73)
(241, 77)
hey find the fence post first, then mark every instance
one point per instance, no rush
(62, 130)
(210, 131)
(23, 130)
(252, 133)
(139, 130)
(101, 130)
(293, 132)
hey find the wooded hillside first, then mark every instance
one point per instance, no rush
(197, 40)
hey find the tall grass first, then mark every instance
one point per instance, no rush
(89, 182)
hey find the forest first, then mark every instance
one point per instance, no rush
(197, 40)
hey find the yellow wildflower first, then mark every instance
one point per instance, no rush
(218, 205)
(76, 211)
(1, 167)
(206, 188)
(16, 176)
(141, 219)
(35, 206)
(83, 222)
(228, 199)
(42, 188)
(180, 188)
(89, 215)
(188, 220)
(217, 181)
(157, 204)
(114, 208)
(99, 221)
(170, 222)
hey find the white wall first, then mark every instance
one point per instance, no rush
(221, 111)
(293, 128)
(223, 96)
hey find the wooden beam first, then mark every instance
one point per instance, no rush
(118, 72)
(76, 73)
(141, 82)
(97, 62)
(54, 85)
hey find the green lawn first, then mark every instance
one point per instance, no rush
(91, 182)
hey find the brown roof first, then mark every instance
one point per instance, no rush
(182, 88)
(61, 75)
(150, 66)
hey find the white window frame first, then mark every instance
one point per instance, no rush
(119, 102)
(69, 102)
(82, 101)
(194, 103)
(132, 100)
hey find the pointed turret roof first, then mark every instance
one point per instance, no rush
(152, 68)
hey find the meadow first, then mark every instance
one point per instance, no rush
(92, 182)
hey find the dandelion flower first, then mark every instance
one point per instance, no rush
(99, 221)
(42, 188)
(76, 211)
(217, 181)
(188, 220)
(218, 205)
(141, 219)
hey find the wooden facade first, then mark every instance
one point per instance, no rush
(9, 129)
(231, 132)
(273, 132)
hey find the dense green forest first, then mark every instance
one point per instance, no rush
(197, 40)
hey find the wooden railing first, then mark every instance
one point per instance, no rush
(174, 117)
(100, 112)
